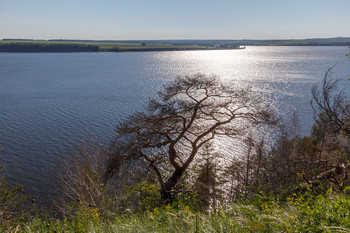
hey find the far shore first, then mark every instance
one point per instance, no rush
(23, 46)
(56, 46)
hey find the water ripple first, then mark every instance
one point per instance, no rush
(51, 101)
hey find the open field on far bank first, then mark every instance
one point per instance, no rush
(90, 46)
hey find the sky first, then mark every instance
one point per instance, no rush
(180, 19)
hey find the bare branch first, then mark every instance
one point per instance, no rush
(188, 113)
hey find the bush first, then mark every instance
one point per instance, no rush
(82, 184)
(141, 197)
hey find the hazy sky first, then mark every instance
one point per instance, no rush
(180, 19)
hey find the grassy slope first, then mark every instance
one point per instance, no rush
(300, 213)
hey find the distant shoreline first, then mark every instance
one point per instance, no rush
(23, 46)
(57, 46)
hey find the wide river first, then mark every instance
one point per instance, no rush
(51, 101)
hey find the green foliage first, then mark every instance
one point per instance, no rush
(141, 197)
(300, 213)
(11, 202)
(208, 177)
(315, 213)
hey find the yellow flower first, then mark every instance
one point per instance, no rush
(168, 207)
(94, 212)
(291, 216)
(187, 210)
(156, 212)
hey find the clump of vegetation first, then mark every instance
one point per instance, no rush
(300, 213)
(11, 204)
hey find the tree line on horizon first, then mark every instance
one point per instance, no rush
(42, 47)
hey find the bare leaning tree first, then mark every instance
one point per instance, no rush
(330, 106)
(187, 114)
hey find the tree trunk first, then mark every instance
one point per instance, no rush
(170, 184)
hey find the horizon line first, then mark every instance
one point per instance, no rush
(53, 39)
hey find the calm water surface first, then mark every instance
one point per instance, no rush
(50, 101)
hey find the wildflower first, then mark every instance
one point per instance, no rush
(94, 212)
(155, 211)
(168, 207)
(187, 209)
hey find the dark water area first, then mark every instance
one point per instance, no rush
(51, 101)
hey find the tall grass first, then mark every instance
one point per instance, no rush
(300, 213)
